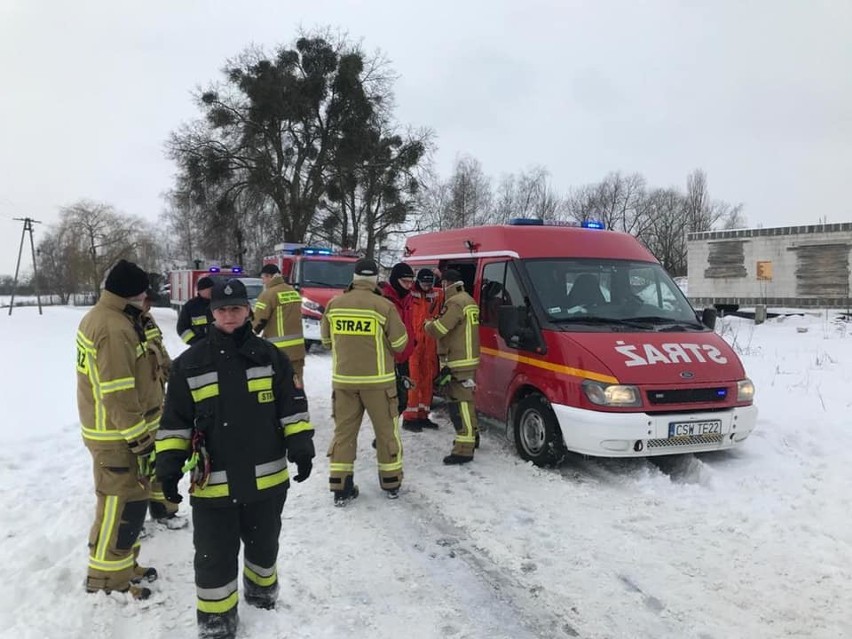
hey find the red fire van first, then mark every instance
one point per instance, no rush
(588, 345)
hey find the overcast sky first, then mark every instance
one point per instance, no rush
(758, 94)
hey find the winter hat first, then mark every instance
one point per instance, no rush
(400, 271)
(204, 283)
(425, 276)
(126, 279)
(366, 267)
(230, 293)
(270, 269)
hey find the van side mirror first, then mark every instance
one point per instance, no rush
(708, 317)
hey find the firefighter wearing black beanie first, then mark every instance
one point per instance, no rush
(126, 280)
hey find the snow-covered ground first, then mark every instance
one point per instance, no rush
(756, 543)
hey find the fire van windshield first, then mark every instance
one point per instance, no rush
(599, 292)
(327, 273)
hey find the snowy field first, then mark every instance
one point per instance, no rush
(756, 543)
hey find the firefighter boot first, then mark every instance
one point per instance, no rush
(143, 573)
(260, 596)
(413, 425)
(213, 625)
(348, 493)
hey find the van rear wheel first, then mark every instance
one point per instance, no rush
(537, 434)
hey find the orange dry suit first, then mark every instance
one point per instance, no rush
(423, 364)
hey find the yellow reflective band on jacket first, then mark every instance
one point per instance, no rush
(275, 479)
(286, 341)
(440, 327)
(199, 320)
(460, 363)
(262, 384)
(154, 424)
(400, 343)
(171, 443)
(259, 306)
(125, 383)
(128, 434)
(364, 379)
(252, 573)
(205, 392)
(271, 474)
(221, 606)
(187, 335)
(211, 491)
(471, 314)
(341, 467)
(298, 427)
(152, 334)
(289, 297)
(157, 496)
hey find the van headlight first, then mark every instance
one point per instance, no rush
(745, 390)
(310, 305)
(611, 394)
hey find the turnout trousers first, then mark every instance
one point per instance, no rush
(463, 415)
(217, 532)
(348, 411)
(122, 503)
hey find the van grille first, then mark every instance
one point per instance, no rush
(688, 395)
(694, 440)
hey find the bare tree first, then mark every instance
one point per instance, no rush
(470, 195)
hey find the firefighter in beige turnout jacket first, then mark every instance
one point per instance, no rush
(278, 318)
(119, 402)
(457, 332)
(161, 508)
(363, 329)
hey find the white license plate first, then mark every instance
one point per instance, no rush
(691, 429)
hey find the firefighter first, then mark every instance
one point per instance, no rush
(397, 290)
(426, 302)
(457, 332)
(278, 317)
(363, 330)
(118, 406)
(195, 317)
(161, 509)
(234, 417)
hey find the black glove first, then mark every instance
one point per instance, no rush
(305, 465)
(444, 377)
(170, 489)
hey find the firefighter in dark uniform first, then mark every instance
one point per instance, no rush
(119, 401)
(278, 317)
(233, 417)
(363, 330)
(457, 332)
(195, 317)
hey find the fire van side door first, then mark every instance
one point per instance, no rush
(499, 285)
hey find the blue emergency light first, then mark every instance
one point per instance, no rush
(721, 392)
(593, 224)
(526, 221)
(214, 269)
(317, 251)
(236, 269)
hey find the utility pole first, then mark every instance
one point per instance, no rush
(28, 226)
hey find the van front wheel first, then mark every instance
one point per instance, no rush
(537, 435)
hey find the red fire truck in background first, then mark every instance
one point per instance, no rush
(182, 283)
(318, 274)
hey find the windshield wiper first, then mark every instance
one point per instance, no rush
(672, 324)
(611, 321)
